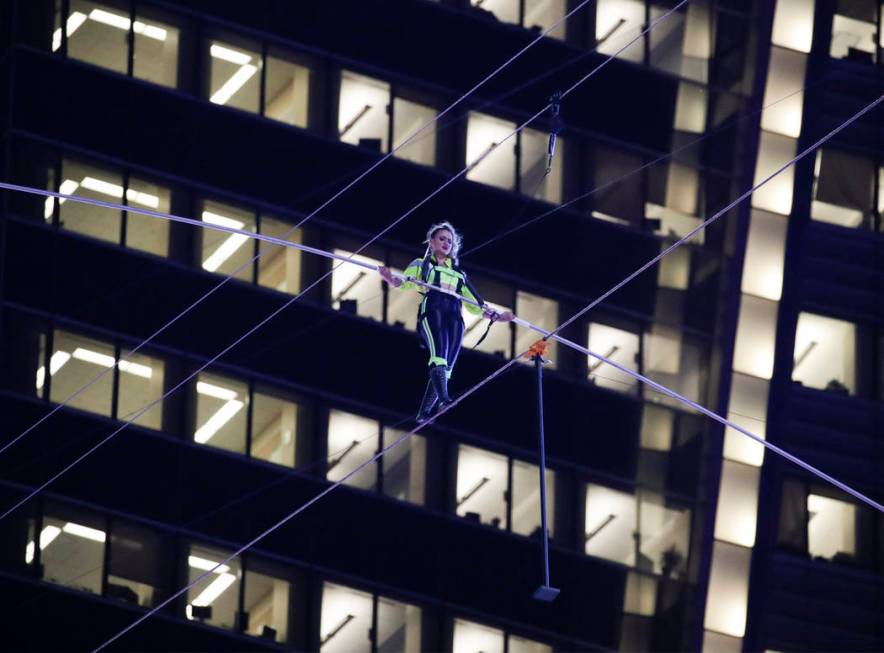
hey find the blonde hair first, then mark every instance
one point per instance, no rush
(456, 239)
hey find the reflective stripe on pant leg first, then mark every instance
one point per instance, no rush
(428, 333)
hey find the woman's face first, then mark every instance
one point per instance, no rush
(441, 242)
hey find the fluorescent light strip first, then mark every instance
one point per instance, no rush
(212, 390)
(113, 190)
(217, 421)
(206, 565)
(214, 590)
(232, 85)
(145, 199)
(68, 187)
(58, 359)
(94, 357)
(229, 246)
(74, 21)
(136, 369)
(85, 532)
(121, 22)
(227, 54)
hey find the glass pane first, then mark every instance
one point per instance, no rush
(481, 486)
(505, 10)
(470, 637)
(75, 361)
(351, 441)
(674, 360)
(825, 353)
(610, 524)
(215, 599)
(785, 76)
(221, 412)
(225, 253)
(352, 283)
(619, 346)
(141, 383)
(728, 592)
(402, 306)
(526, 499)
(765, 255)
(535, 155)
(135, 570)
(287, 92)
(499, 339)
(362, 113)
(404, 466)
(497, 167)
(854, 39)
(346, 620)
(399, 627)
(641, 595)
(408, 118)
(156, 50)
(756, 330)
(843, 189)
(774, 151)
(831, 528)
(72, 549)
(793, 24)
(520, 645)
(665, 533)
(144, 232)
(274, 429)
(279, 267)
(616, 23)
(98, 34)
(95, 183)
(541, 312)
(234, 80)
(542, 14)
(267, 606)
(682, 44)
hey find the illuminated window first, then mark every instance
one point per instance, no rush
(756, 333)
(728, 592)
(71, 548)
(234, 77)
(737, 511)
(287, 91)
(825, 353)
(363, 113)
(481, 485)
(747, 408)
(642, 532)
(541, 14)
(399, 626)
(226, 253)
(843, 189)
(274, 429)
(402, 307)
(497, 166)
(541, 312)
(534, 148)
(346, 621)
(136, 572)
(793, 25)
(616, 23)
(499, 339)
(471, 637)
(351, 441)
(618, 345)
(765, 253)
(682, 44)
(641, 595)
(404, 466)
(352, 284)
(215, 599)
(266, 602)
(621, 200)
(221, 407)
(156, 48)
(831, 527)
(853, 30)
(96, 33)
(93, 183)
(74, 362)
(143, 232)
(279, 267)
(657, 428)
(774, 151)
(690, 107)
(408, 118)
(785, 83)
(525, 517)
(141, 384)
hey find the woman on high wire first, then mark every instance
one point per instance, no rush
(439, 321)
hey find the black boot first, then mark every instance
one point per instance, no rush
(439, 378)
(428, 405)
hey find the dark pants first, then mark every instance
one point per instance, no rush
(442, 333)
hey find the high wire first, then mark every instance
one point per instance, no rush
(352, 183)
(327, 274)
(547, 334)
